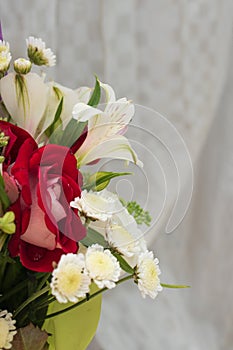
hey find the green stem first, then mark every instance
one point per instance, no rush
(86, 299)
(43, 281)
(30, 299)
(18, 287)
(45, 303)
(174, 286)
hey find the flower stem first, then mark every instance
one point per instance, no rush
(86, 299)
(30, 299)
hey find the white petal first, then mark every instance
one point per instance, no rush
(109, 92)
(83, 112)
(28, 114)
(84, 94)
(117, 147)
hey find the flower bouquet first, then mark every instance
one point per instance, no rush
(64, 237)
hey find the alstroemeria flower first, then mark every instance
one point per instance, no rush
(25, 98)
(105, 129)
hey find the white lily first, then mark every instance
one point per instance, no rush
(25, 98)
(70, 98)
(105, 129)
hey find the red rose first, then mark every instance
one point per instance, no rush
(48, 180)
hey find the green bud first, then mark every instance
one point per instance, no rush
(7, 224)
(22, 66)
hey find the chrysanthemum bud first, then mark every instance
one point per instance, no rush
(22, 66)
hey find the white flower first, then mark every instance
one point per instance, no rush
(69, 279)
(123, 241)
(147, 275)
(22, 66)
(7, 329)
(102, 266)
(5, 58)
(95, 205)
(105, 130)
(4, 46)
(38, 53)
(20, 96)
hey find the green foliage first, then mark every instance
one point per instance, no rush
(95, 97)
(123, 263)
(72, 132)
(134, 209)
(94, 237)
(56, 122)
(4, 200)
(174, 286)
(100, 180)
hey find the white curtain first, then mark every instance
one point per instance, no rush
(175, 57)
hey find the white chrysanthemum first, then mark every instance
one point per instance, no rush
(5, 58)
(69, 279)
(38, 53)
(102, 266)
(95, 205)
(7, 329)
(4, 46)
(147, 275)
(22, 66)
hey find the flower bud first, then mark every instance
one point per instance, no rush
(22, 66)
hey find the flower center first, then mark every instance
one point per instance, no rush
(101, 265)
(70, 279)
(4, 331)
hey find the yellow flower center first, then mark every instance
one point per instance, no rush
(3, 59)
(4, 331)
(3, 48)
(100, 265)
(69, 280)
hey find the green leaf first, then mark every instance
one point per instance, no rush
(30, 337)
(141, 216)
(56, 122)
(176, 286)
(3, 196)
(95, 97)
(100, 180)
(72, 132)
(123, 263)
(94, 237)
(74, 329)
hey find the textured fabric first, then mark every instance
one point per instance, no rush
(172, 56)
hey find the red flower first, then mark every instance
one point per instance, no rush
(48, 180)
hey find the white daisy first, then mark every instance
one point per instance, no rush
(5, 58)
(69, 279)
(4, 46)
(38, 53)
(102, 266)
(95, 205)
(7, 329)
(147, 275)
(22, 66)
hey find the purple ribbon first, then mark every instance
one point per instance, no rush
(1, 36)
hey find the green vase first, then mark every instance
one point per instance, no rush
(74, 329)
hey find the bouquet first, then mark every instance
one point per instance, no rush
(64, 237)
